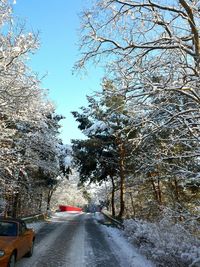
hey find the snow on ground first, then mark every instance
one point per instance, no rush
(99, 216)
(118, 242)
(36, 225)
(65, 213)
(128, 256)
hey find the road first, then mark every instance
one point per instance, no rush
(74, 240)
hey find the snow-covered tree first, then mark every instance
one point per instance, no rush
(150, 49)
(29, 127)
(68, 192)
(104, 154)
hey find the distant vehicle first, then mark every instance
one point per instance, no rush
(16, 241)
(69, 208)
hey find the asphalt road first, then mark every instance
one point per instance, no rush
(72, 241)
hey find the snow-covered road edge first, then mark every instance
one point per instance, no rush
(36, 226)
(122, 248)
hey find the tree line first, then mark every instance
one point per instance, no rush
(31, 155)
(142, 129)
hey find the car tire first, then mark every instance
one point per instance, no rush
(12, 260)
(30, 252)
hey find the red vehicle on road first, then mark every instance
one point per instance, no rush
(69, 208)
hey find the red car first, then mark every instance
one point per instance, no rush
(16, 241)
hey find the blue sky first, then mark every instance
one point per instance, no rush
(58, 22)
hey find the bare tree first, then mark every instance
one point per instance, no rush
(152, 49)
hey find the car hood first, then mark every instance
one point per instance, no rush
(6, 241)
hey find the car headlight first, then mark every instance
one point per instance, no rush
(2, 253)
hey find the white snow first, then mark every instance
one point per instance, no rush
(129, 255)
(97, 126)
(98, 216)
(36, 225)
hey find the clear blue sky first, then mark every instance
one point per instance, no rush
(58, 23)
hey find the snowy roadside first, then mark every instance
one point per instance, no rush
(159, 241)
(118, 242)
(36, 226)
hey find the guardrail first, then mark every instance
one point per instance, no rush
(115, 222)
(35, 217)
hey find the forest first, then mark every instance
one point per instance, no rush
(142, 129)
(32, 155)
(141, 147)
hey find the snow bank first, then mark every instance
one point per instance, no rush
(36, 225)
(99, 216)
(127, 253)
(165, 243)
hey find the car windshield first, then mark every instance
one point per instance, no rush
(8, 229)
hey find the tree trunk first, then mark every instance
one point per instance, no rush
(15, 205)
(40, 203)
(49, 200)
(113, 197)
(122, 179)
(157, 191)
(132, 204)
(176, 190)
(50, 193)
